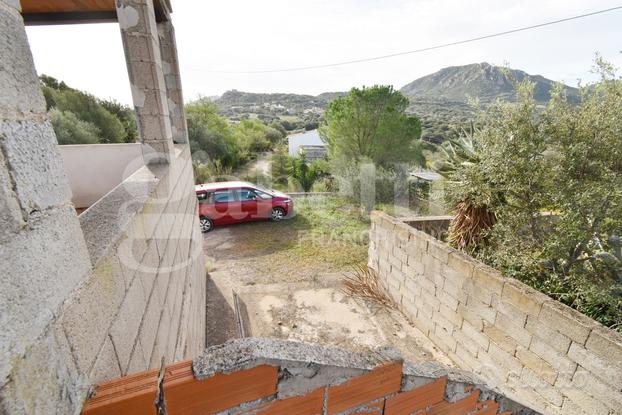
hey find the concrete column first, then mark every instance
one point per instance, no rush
(172, 78)
(144, 65)
(43, 255)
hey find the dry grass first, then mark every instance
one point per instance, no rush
(363, 283)
(470, 225)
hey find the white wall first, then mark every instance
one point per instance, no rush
(95, 169)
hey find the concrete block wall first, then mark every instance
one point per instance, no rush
(147, 292)
(140, 304)
(43, 255)
(534, 349)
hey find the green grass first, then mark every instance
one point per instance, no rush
(328, 234)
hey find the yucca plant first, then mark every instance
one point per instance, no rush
(471, 222)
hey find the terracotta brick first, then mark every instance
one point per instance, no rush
(462, 407)
(487, 408)
(382, 381)
(186, 395)
(425, 396)
(376, 408)
(309, 404)
(135, 394)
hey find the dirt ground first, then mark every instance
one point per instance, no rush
(273, 280)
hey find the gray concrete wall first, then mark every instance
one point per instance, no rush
(43, 255)
(119, 290)
(144, 303)
(84, 164)
(534, 349)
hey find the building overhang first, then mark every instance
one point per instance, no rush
(52, 12)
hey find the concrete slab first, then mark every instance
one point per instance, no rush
(319, 312)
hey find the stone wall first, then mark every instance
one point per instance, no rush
(534, 349)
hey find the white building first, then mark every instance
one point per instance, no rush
(309, 142)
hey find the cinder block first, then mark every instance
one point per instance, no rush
(47, 382)
(606, 343)
(163, 337)
(89, 313)
(443, 339)
(431, 266)
(423, 323)
(149, 327)
(450, 315)
(466, 342)
(148, 268)
(532, 361)
(578, 396)
(548, 335)
(508, 365)
(124, 330)
(447, 300)
(510, 312)
(432, 302)
(477, 292)
(137, 360)
(488, 278)
(106, 365)
(518, 333)
(19, 84)
(525, 298)
(484, 311)
(459, 266)
(455, 291)
(561, 363)
(476, 335)
(400, 254)
(501, 338)
(439, 250)
(567, 321)
(549, 393)
(471, 316)
(607, 370)
(36, 167)
(468, 360)
(587, 382)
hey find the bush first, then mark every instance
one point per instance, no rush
(565, 159)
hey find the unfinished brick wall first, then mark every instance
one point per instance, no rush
(533, 348)
(266, 376)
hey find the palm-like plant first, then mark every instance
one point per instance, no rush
(471, 222)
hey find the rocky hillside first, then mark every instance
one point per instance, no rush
(439, 99)
(478, 80)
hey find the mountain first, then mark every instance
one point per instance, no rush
(478, 80)
(440, 99)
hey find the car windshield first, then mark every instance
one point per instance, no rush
(261, 189)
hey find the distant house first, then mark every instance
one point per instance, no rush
(309, 142)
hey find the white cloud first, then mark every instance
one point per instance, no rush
(272, 34)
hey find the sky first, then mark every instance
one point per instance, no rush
(248, 35)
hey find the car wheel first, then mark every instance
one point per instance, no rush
(206, 224)
(277, 214)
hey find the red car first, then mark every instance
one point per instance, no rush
(224, 203)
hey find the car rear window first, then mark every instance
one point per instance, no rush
(206, 197)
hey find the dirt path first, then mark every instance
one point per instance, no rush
(282, 294)
(261, 165)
